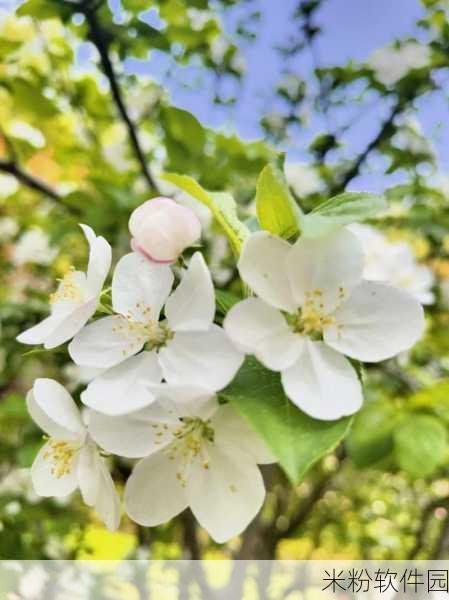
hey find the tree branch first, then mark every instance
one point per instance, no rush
(12, 168)
(100, 38)
(384, 131)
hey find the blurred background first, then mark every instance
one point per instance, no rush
(98, 98)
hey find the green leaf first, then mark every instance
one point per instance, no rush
(225, 300)
(346, 208)
(295, 439)
(370, 438)
(421, 444)
(276, 210)
(222, 205)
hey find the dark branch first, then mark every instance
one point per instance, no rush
(100, 39)
(12, 168)
(386, 129)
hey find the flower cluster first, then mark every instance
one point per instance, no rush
(163, 361)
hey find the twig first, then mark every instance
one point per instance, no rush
(100, 38)
(12, 168)
(190, 537)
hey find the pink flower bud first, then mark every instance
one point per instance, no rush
(161, 229)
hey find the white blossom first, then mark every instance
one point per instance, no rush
(303, 179)
(313, 309)
(69, 459)
(76, 298)
(186, 346)
(33, 247)
(391, 64)
(394, 263)
(195, 453)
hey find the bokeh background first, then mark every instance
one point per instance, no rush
(98, 98)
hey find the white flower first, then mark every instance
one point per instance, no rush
(8, 228)
(197, 453)
(313, 308)
(392, 64)
(303, 179)
(33, 247)
(394, 263)
(69, 459)
(184, 347)
(162, 229)
(76, 298)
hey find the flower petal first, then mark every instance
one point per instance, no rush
(232, 431)
(185, 400)
(203, 358)
(45, 483)
(227, 495)
(377, 322)
(87, 473)
(262, 267)
(140, 287)
(330, 266)
(135, 435)
(99, 260)
(121, 389)
(153, 493)
(259, 329)
(43, 421)
(58, 405)
(107, 503)
(107, 342)
(323, 383)
(191, 307)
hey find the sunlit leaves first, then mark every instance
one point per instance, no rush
(295, 439)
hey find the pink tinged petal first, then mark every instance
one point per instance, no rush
(56, 402)
(191, 307)
(377, 322)
(226, 496)
(323, 383)
(233, 432)
(123, 388)
(203, 358)
(259, 329)
(140, 288)
(162, 228)
(154, 494)
(99, 260)
(44, 480)
(107, 342)
(262, 266)
(325, 269)
(135, 435)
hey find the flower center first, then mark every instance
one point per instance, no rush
(191, 439)
(68, 290)
(61, 454)
(311, 319)
(158, 334)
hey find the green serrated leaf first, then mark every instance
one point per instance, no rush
(296, 440)
(344, 209)
(421, 444)
(276, 209)
(221, 204)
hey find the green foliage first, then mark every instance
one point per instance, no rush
(295, 439)
(276, 209)
(421, 444)
(343, 209)
(222, 206)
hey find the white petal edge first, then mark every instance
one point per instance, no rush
(100, 256)
(56, 402)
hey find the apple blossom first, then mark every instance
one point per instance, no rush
(195, 453)
(391, 64)
(394, 263)
(185, 347)
(162, 229)
(313, 309)
(76, 298)
(69, 459)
